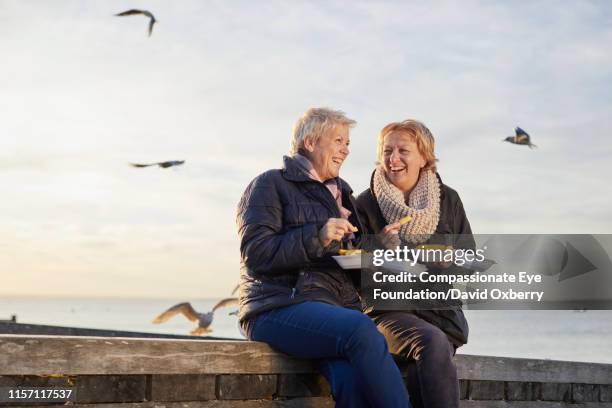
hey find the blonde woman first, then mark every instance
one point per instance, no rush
(406, 183)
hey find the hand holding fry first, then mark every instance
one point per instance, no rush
(389, 236)
(334, 230)
(441, 264)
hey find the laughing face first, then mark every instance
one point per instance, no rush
(329, 152)
(402, 160)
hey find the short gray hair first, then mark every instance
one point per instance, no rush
(314, 123)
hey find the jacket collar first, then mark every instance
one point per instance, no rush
(292, 171)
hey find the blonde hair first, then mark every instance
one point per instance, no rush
(314, 123)
(418, 133)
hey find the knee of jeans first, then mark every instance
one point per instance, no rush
(435, 342)
(340, 374)
(366, 337)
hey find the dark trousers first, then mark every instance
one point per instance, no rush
(351, 353)
(432, 375)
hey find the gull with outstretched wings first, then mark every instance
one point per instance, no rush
(145, 13)
(204, 319)
(521, 138)
(163, 165)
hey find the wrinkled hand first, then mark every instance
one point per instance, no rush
(389, 235)
(334, 230)
(443, 265)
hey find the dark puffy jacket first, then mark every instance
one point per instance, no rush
(452, 221)
(282, 260)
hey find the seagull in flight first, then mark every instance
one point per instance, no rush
(145, 13)
(521, 138)
(163, 165)
(204, 319)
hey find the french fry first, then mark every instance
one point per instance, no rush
(405, 219)
(433, 247)
(349, 251)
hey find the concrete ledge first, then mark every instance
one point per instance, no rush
(326, 403)
(40, 355)
(294, 403)
(528, 404)
(172, 373)
(519, 369)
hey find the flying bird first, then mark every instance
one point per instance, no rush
(204, 319)
(163, 165)
(521, 138)
(145, 13)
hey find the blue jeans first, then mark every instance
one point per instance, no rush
(351, 353)
(432, 375)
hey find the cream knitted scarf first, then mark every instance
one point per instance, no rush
(423, 205)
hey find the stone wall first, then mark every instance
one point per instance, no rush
(135, 373)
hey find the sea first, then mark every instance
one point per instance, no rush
(543, 334)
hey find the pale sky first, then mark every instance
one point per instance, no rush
(220, 84)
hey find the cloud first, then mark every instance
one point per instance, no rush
(220, 85)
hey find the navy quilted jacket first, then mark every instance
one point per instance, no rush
(282, 261)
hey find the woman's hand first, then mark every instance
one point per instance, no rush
(441, 264)
(334, 230)
(389, 235)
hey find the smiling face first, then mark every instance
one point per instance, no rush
(329, 152)
(402, 160)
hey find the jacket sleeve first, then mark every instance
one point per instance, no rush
(368, 211)
(266, 245)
